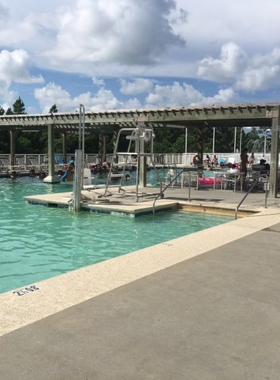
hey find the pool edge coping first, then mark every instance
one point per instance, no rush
(67, 290)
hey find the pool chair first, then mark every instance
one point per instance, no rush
(232, 181)
(222, 161)
(171, 175)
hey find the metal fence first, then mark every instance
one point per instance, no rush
(38, 161)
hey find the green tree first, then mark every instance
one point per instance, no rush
(2, 111)
(9, 111)
(53, 109)
(18, 107)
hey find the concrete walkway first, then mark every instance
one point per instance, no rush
(212, 311)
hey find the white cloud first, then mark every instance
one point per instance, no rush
(136, 86)
(148, 40)
(185, 95)
(98, 82)
(13, 67)
(7, 97)
(225, 96)
(102, 100)
(126, 32)
(262, 78)
(14, 35)
(247, 73)
(224, 69)
(52, 94)
(3, 12)
(261, 73)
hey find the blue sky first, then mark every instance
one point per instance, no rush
(109, 54)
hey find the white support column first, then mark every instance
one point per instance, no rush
(214, 139)
(51, 178)
(186, 140)
(273, 184)
(78, 180)
(64, 143)
(12, 147)
(142, 164)
(235, 134)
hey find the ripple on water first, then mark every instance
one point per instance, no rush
(39, 242)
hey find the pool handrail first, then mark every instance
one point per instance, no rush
(188, 170)
(250, 190)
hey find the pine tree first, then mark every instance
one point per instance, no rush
(9, 111)
(18, 107)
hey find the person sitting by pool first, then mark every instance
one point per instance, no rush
(195, 160)
(251, 160)
(215, 161)
(207, 160)
(266, 166)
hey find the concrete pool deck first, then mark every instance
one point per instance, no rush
(204, 306)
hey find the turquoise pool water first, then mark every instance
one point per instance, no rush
(38, 242)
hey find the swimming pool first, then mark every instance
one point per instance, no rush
(38, 242)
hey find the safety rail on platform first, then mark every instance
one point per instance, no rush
(174, 179)
(255, 183)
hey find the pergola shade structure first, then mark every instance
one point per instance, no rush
(236, 115)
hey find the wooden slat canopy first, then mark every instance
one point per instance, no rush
(253, 114)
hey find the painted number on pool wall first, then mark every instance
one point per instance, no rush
(29, 289)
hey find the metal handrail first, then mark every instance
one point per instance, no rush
(169, 184)
(250, 190)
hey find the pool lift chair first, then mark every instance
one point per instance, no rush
(140, 135)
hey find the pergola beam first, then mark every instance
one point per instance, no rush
(248, 114)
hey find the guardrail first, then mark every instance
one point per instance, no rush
(27, 160)
(250, 190)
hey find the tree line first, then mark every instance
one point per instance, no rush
(167, 140)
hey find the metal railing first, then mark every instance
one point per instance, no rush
(161, 194)
(158, 158)
(250, 190)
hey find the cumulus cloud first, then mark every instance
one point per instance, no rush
(261, 73)
(53, 94)
(126, 32)
(139, 40)
(102, 100)
(185, 95)
(7, 97)
(98, 82)
(247, 73)
(136, 86)
(15, 34)
(224, 69)
(160, 96)
(13, 67)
